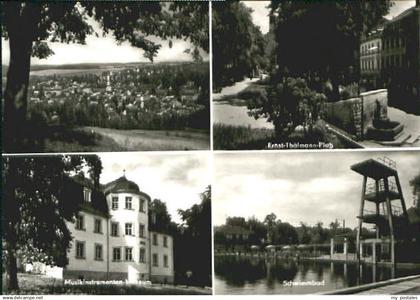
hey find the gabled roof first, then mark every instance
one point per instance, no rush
(97, 204)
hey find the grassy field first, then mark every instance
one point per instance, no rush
(76, 140)
(228, 137)
(148, 140)
(95, 139)
(33, 284)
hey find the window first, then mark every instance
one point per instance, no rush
(114, 203)
(165, 261)
(114, 229)
(128, 229)
(98, 252)
(128, 203)
(155, 243)
(98, 226)
(142, 204)
(116, 254)
(86, 195)
(141, 230)
(128, 253)
(142, 257)
(155, 260)
(80, 250)
(165, 241)
(80, 222)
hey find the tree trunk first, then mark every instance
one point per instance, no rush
(11, 268)
(10, 220)
(15, 94)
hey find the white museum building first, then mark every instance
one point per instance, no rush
(112, 240)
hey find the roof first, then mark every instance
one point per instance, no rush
(120, 185)
(403, 14)
(98, 204)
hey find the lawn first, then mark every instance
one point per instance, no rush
(148, 140)
(96, 139)
(34, 284)
(228, 137)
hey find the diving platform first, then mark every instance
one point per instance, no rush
(389, 213)
(375, 168)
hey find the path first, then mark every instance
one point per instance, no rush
(234, 89)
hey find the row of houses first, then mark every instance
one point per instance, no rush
(390, 58)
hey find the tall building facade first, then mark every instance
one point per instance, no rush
(371, 59)
(401, 59)
(112, 240)
(390, 58)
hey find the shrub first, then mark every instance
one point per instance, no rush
(288, 104)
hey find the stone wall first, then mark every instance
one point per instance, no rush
(93, 275)
(355, 115)
(369, 100)
(344, 114)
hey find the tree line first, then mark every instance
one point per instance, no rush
(273, 231)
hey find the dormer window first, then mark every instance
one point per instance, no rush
(86, 195)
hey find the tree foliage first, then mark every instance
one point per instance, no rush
(159, 218)
(192, 238)
(415, 185)
(322, 38)
(194, 244)
(273, 231)
(238, 45)
(288, 104)
(39, 198)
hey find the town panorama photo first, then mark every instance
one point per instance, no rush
(105, 76)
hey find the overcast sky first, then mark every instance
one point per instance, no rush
(260, 14)
(260, 11)
(176, 179)
(106, 50)
(308, 187)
